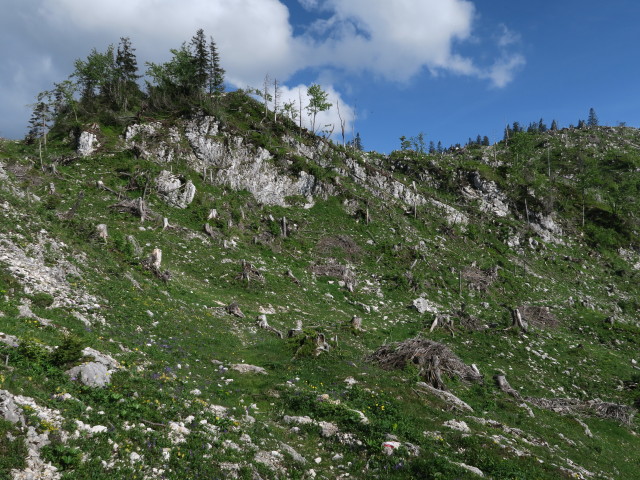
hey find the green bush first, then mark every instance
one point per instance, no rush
(64, 457)
(42, 300)
(69, 351)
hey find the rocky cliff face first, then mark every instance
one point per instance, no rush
(223, 158)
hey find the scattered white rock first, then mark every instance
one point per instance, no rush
(390, 447)
(471, 469)
(459, 425)
(422, 305)
(246, 368)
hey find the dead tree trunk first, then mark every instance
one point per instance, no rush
(101, 232)
(264, 324)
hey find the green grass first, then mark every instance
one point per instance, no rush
(169, 336)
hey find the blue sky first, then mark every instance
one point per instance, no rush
(452, 69)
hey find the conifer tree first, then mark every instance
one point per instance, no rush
(592, 120)
(541, 126)
(554, 126)
(439, 147)
(356, 143)
(485, 141)
(432, 147)
(201, 60)
(216, 72)
(126, 73)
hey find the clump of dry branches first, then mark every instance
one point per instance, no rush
(432, 359)
(573, 406)
(342, 272)
(137, 207)
(478, 278)
(342, 244)
(539, 317)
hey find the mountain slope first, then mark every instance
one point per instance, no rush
(283, 231)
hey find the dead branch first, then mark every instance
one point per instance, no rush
(447, 397)
(429, 357)
(234, 309)
(264, 324)
(137, 207)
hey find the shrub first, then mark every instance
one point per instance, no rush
(69, 351)
(42, 300)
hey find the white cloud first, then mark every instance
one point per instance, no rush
(394, 39)
(253, 36)
(504, 69)
(329, 120)
(389, 40)
(507, 37)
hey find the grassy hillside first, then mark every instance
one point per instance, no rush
(567, 248)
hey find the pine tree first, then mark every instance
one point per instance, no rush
(592, 120)
(485, 141)
(554, 126)
(581, 124)
(126, 73)
(357, 142)
(216, 72)
(478, 140)
(432, 147)
(541, 126)
(201, 60)
(439, 147)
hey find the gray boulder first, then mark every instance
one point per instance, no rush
(92, 374)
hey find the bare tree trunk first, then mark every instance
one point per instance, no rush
(342, 122)
(101, 231)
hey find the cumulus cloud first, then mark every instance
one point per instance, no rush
(330, 120)
(393, 41)
(253, 36)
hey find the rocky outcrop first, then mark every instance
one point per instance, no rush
(491, 199)
(96, 373)
(88, 142)
(12, 409)
(546, 227)
(224, 159)
(174, 191)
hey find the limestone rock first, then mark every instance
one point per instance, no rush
(422, 305)
(92, 374)
(10, 340)
(459, 425)
(246, 368)
(176, 193)
(87, 143)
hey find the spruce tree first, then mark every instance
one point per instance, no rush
(126, 73)
(541, 126)
(592, 120)
(201, 60)
(216, 72)
(357, 143)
